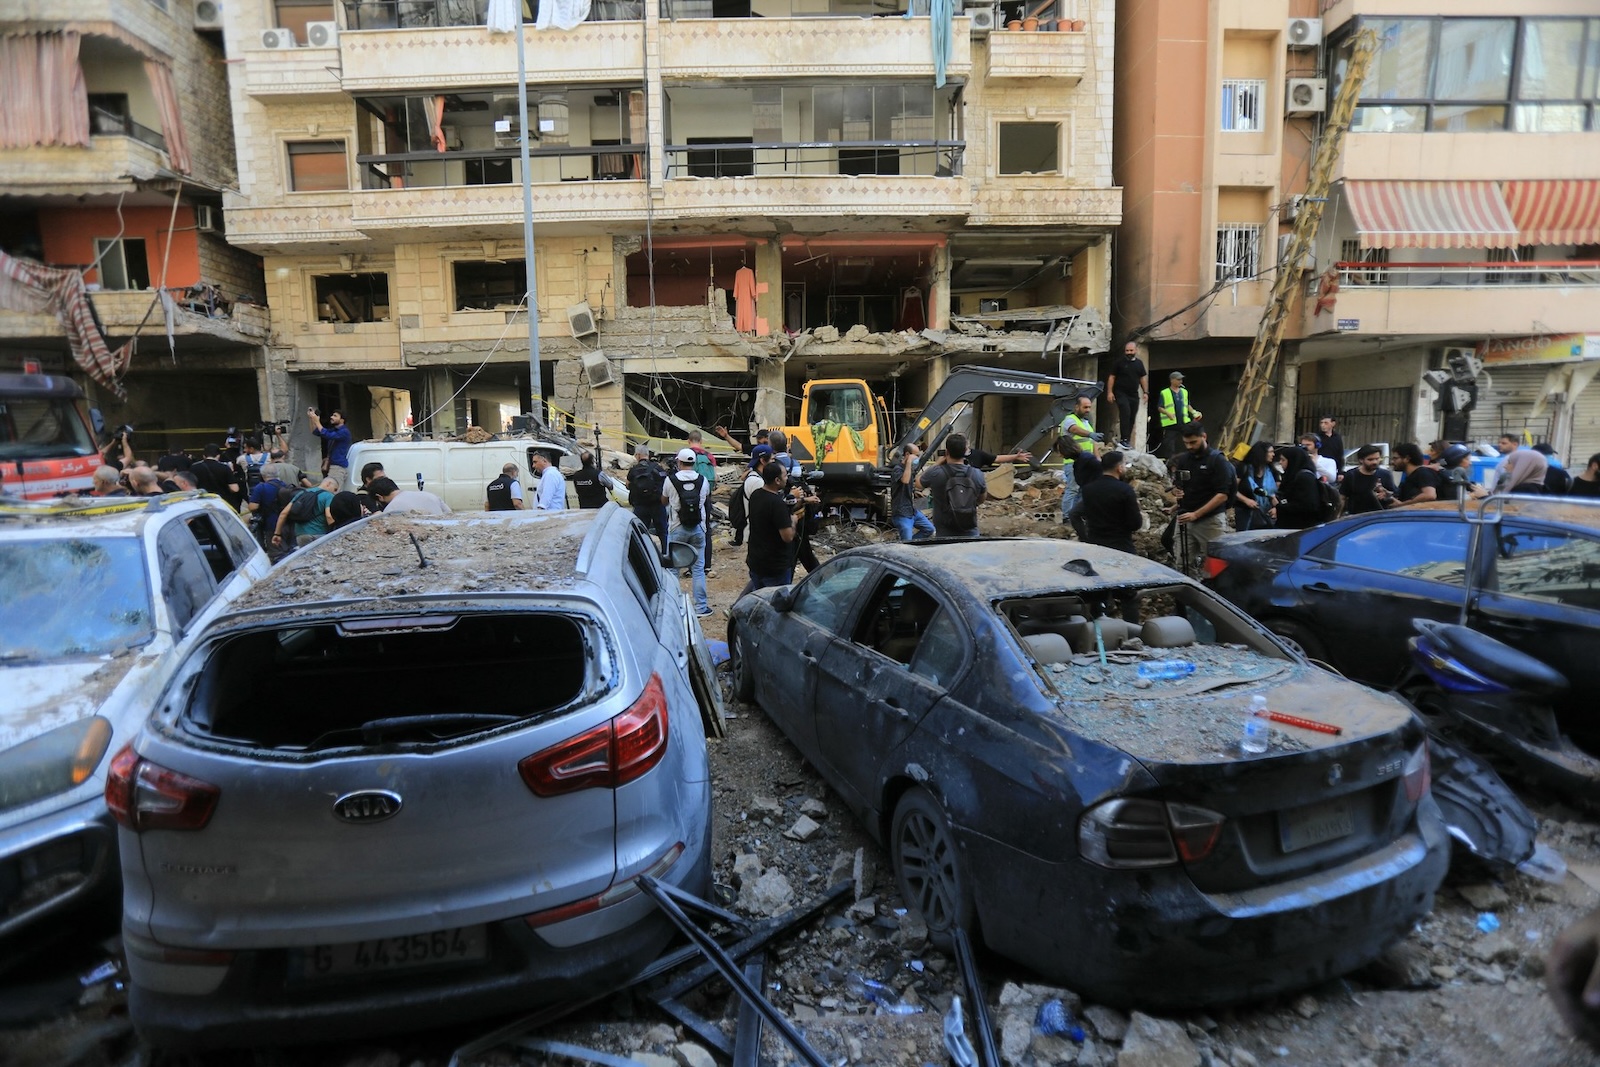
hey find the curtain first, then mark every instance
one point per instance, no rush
(166, 94)
(503, 16)
(637, 133)
(42, 96)
(434, 106)
(31, 286)
(562, 14)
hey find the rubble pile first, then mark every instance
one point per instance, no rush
(1034, 508)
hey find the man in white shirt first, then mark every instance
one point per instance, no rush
(397, 501)
(687, 496)
(552, 495)
(1327, 469)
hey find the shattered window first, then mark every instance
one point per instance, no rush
(941, 652)
(72, 597)
(825, 597)
(895, 621)
(1435, 551)
(1549, 565)
(844, 405)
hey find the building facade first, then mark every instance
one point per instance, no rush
(1454, 288)
(728, 200)
(116, 150)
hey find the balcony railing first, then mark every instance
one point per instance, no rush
(1562, 272)
(104, 123)
(567, 163)
(703, 9)
(936, 159)
(501, 166)
(415, 14)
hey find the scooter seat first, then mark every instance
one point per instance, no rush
(1494, 660)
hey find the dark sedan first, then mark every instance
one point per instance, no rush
(1046, 737)
(1526, 570)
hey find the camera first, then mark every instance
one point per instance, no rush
(268, 429)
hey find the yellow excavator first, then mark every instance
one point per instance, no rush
(844, 428)
(1255, 381)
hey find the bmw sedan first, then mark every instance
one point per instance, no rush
(414, 777)
(1047, 738)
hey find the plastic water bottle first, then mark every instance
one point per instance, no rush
(1055, 1020)
(1254, 738)
(1166, 669)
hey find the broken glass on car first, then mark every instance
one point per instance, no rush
(71, 597)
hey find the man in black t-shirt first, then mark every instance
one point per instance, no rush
(1111, 513)
(1129, 385)
(1330, 443)
(770, 531)
(1421, 485)
(1367, 486)
(215, 476)
(1205, 480)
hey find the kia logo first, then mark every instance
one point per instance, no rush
(368, 805)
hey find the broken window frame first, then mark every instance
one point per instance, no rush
(362, 307)
(124, 263)
(1033, 125)
(1238, 251)
(515, 274)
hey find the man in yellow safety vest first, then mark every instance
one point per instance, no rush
(1079, 435)
(1176, 413)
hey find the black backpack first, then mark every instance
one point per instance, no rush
(689, 501)
(961, 496)
(644, 485)
(1328, 501)
(303, 508)
(284, 494)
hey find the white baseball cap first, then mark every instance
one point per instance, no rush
(685, 455)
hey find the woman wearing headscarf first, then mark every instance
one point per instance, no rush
(1299, 496)
(1522, 471)
(1255, 496)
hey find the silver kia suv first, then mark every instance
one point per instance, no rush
(412, 778)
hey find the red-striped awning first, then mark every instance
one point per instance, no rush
(1555, 212)
(1430, 214)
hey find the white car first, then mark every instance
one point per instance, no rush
(98, 596)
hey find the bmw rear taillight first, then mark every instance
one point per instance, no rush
(147, 796)
(1214, 566)
(1130, 833)
(612, 754)
(1418, 774)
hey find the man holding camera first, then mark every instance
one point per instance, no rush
(337, 437)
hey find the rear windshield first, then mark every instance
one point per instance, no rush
(393, 681)
(42, 427)
(72, 597)
(1108, 634)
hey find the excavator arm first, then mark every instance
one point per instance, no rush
(966, 384)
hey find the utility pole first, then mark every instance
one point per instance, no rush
(535, 389)
(1242, 427)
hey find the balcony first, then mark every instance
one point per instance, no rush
(422, 14)
(765, 48)
(301, 73)
(122, 312)
(1043, 200)
(304, 223)
(1460, 299)
(449, 57)
(1061, 57)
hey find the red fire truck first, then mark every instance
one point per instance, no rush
(47, 448)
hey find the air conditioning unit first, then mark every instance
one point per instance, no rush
(208, 14)
(983, 20)
(1307, 261)
(581, 319)
(277, 38)
(1294, 205)
(207, 218)
(1306, 96)
(322, 34)
(1303, 33)
(598, 368)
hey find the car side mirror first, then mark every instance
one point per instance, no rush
(783, 600)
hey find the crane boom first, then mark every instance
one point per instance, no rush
(1255, 381)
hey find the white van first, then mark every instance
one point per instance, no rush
(456, 471)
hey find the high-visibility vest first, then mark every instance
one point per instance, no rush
(1075, 426)
(1169, 410)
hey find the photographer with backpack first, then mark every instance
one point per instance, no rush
(645, 482)
(956, 488)
(687, 497)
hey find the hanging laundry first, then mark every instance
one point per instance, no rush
(911, 315)
(26, 285)
(744, 300)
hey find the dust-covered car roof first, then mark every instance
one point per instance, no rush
(476, 552)
(118, 516)
(989, 568)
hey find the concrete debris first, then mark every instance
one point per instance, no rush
(813, 807)
(1152, 1042)
(690, 1054)
(746, 868)
(1109, 1023)
(804, 829)
(1016, 1035)
(1484, 896)
(1307, 1007)
(767, 895)
(863, 910)
(765, 806)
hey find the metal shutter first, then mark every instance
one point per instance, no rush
(1505, 406)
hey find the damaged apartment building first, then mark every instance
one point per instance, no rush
(116, 148)
(728, 199)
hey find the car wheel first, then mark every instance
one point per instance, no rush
(744, 675)
(928, 869)
(1298, 638)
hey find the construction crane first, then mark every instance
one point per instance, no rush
(1243, 425)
